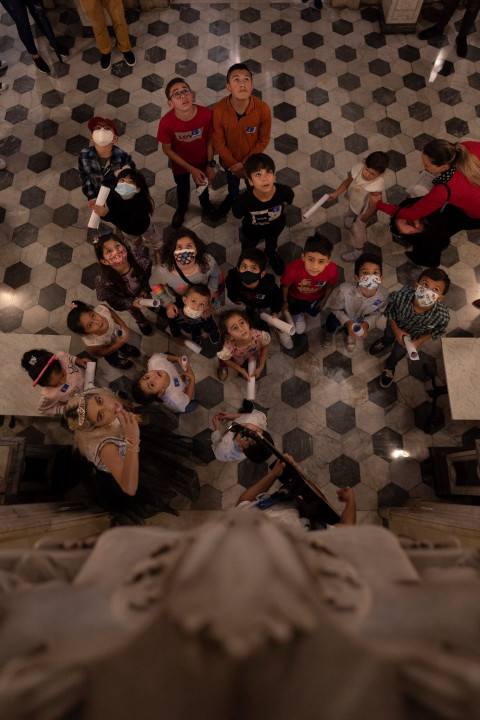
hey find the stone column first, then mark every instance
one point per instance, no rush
(399, 16)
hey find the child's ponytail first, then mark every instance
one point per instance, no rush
(77, 308)
(35, 362)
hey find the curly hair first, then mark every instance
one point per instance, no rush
(108, 272)
(224, 317)
(167, 258)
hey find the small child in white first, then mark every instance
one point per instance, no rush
(161, 381)
(365, 178)
(360, 302)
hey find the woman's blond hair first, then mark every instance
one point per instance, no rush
(89, 438)
(442, 152)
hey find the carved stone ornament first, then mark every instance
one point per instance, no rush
(240, 618)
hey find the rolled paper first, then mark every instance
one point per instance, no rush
(410, 348)
(279, 324)
(158, 290)
(94, 221)
(193, 346)
(149, 302)
(119, 333)
(252, 364)
(89, 379)
(201, 188)
(184, 362)
(358, 329)
(315, 207)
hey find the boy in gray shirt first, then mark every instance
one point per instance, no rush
(357, 304)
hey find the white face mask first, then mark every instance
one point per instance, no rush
(194, 314)
(369, 282)
(102, 137)
(425, 297)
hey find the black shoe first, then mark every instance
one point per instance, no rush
(105, 60)
(177, 220)
(413, 258)
(386, 378)
(276, 262)
(122, 363)
(130, 350)
(213, 214)
(41, 65)
(145, 328)
(462, 47)
(247, 407)
(61, 50)
(225, 205)
(129, 58)
(377, 348)
(430, 32)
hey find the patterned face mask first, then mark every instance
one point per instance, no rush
(117, 257)
(426, 297)
(369, 281)
(194, 314)
(185, 257)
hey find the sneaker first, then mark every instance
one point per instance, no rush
(145, 328)
(386, 378)
(129, 58)
(106, 60)
(130, 350)
(222, 372)
(61, 49)
(192, 405)
(225, 205)
(376, 348)
(3, 164)
(213, 214)
(177, 220)
(350, 343)
(327, 339)
(299, 322)
(41, 65)
(430, 32)
(276, 262)
(3, 87)
(351, 256)
(3, 64)
(348, 221)
(122, 363)
(462, 47)
(285, 340)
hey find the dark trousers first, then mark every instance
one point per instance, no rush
(183, 194)
(398, 352)
(456, 220)
(298, 307)
(471, 12)
(332, 324)
(17, 9)
(250, 242)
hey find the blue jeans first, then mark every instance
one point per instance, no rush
(17, 9)
(183, 194)
(299, 307)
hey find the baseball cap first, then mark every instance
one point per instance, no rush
(102, 121)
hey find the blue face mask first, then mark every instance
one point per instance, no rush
(125, 189)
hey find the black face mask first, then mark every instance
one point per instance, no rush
(248, 278)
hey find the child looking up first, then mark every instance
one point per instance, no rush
(99, 164)
(103, 333)
(360, 302)
(261, 208)
(59, 374)
(241, 342)
(249, 284)
(191, 318)
(308, 282)
(418, 313)
(162, 382)
(124, 278)
(241, 127)
(129, 207)
(365, 178)
(186, 136)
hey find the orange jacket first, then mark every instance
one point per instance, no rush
(235, 140)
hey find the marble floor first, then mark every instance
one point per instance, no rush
(338, 89)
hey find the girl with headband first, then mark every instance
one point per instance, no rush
(59, 374)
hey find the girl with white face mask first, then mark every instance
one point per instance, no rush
(184, 262)
(129, 207)
(124, 279)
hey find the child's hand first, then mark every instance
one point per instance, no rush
(349, 328)
(81, 362)
(172, 310)
(207, 313)
(245, 374)
(257, 373)
(216, 421)
(285, 307)
(199, 177)
(373, 199)
(210, 173)
(366, 328)
(136, 302)
(365, 217)
(332, 196)
(345, 494)
(274, 315)
(126, 334)
(101, 210)
(238, 170)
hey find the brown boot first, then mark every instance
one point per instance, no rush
(222, 372)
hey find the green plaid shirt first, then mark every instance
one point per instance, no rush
(400, 308)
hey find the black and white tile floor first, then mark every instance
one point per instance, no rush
(338, 88)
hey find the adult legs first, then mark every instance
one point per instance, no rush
(183, 192)
(37, 11)
(117, 14)
(233, 186)
(17, 9)
(96, 15)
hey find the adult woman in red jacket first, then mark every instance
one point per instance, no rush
(456, 166)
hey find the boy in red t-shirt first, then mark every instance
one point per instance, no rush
(186, 136)
(308, 282)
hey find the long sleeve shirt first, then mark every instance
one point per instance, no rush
(234, 138)
(348, 303)
(54, 399)
(266, 294)
(109, 293)
(174, 285)
(93, 174)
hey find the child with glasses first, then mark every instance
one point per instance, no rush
(186, 136)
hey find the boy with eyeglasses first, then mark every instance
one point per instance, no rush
(100, 163)
(186, 136)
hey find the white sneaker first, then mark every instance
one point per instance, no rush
(299, 322)
(285, 340)
(3, 64)
(351, 256)
(3, 164)
(3, 87)
(348, 221)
